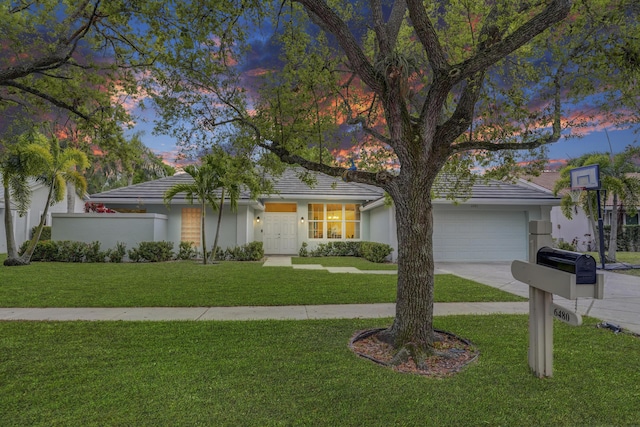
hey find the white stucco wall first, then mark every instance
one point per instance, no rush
(22, 225)
(576, 229)
(109, 229)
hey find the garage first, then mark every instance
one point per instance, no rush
(479, 235)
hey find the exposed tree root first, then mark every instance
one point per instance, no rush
(14, 262)
(449, 354)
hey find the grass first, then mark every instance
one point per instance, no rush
(632, 258)
(188, 284)
(273, 373)
(336, 261)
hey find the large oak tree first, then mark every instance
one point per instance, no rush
(436, 83)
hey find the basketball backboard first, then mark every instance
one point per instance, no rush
(587, 177)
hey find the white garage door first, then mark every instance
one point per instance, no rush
(479, 236)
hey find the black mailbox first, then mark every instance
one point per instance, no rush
(582, 265)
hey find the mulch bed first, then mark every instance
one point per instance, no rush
(457, 353)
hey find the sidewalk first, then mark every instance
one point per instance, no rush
(289, 312)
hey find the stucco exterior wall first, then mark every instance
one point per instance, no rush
(109, 229)
(577, 228)
(22, 225)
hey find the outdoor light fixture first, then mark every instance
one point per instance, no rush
(258, 219)
(302, 219)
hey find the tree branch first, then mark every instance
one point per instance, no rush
(361, 121)
(427, 36)
(554, 136)
(322, 15)
(555, 12)
(46, 97)
(380, 179)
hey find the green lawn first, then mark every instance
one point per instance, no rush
(632, 258)
(188, 284)
(272, 373)
(336, 261)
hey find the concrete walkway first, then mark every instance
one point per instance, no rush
(288, 312)
(620, 306)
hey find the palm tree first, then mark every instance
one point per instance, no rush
(233, 174)
(202, 190)
(16, 168)
(56, 167)
(616, 179)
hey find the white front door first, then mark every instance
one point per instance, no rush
(280, 233)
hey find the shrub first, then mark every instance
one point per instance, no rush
(117, 254)
(253, 251)
(152, 252)
(628, 239)
(565, 246)
(303, 252)
(375, 252)
(44, 235)
(186, 251)
(93, 253)
(69, 251)
(45, 250)
(338, 249)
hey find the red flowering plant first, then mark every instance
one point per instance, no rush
(97, 207)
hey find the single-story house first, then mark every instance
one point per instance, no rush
(490, 225)
(22, 225)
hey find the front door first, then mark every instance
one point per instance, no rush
(280, 233)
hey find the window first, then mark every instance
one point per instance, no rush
(316, 221)
(631, 220)
(334, 220)
(280, 207)
(352, 221)
(190, 229)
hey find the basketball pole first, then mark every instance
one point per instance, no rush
(600, 228)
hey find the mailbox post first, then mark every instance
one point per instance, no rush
(548, 272)
(540, 314)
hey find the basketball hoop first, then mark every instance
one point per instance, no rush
(575, 193)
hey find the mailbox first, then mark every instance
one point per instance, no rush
(582, 265)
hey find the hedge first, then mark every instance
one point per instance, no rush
(371, 251)
(628, 238)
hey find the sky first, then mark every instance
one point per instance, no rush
(264, 55)
(612, 139)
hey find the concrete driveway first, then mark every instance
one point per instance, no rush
(621, 303)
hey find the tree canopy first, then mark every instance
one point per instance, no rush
(437, 84)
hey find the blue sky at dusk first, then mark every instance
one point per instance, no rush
(558, 153)
(264, 55)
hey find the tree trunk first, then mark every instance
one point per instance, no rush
(215, 240)
(71, 200)
(613, 236)
(412, 329)
(12, 253)
(28, 253)
(203, 234)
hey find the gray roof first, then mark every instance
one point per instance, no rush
(286, 186)
(495, 190)
(289, 186)
(150, 191)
